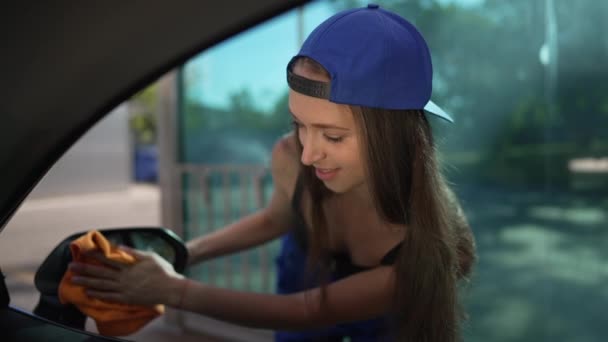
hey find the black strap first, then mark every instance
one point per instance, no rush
(308, 87)
(5, 299)
(389, 258)
(344, 266)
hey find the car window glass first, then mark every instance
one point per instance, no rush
(527, 153)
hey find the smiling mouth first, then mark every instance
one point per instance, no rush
(325, 174)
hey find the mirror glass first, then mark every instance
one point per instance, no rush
(143, 240)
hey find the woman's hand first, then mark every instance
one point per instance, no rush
(150, 280)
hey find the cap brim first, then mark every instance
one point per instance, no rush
(434, 109)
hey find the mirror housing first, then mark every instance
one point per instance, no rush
(5, 299)
(48, 277)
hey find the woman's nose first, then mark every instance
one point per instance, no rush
(311, 152)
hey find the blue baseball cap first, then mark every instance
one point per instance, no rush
(374, 57)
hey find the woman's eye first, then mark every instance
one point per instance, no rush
(333, 139)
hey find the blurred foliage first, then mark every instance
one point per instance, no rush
(143, 108)
(488, 74)
(241, 113)
(240, 133)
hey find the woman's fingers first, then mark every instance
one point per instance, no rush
(143, 282)
(93, 270)
(109, 296)
(96, 283)
(134, 252)
(103, 259)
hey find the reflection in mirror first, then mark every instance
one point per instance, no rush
(143, 240)
(149, 239)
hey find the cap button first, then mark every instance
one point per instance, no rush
(372, 6)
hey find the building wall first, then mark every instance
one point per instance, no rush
(99, 162)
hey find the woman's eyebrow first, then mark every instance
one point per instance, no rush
(320, 125)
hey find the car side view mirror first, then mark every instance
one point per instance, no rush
(48, 277)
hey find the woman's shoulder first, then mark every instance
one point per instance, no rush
(285, 162)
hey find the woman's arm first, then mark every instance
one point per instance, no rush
(361, 296)
(247, 232)
(261, 226)
(152, 280)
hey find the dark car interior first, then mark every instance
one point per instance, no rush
(50, 51)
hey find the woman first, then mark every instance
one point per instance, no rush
(385, 238)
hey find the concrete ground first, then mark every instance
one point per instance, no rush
(40, 224)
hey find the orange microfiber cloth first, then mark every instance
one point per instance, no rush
(113, 319)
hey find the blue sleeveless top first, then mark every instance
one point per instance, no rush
(292, 277)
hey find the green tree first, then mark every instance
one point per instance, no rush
(489, 75)
(143, 122)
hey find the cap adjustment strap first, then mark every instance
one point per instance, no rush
(308, 87)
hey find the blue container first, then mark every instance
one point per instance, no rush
(146, 163)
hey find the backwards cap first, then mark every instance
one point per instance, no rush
(374, 57)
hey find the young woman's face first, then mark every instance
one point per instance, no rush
(329, 137)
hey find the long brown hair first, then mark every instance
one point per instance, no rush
(408, 190)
